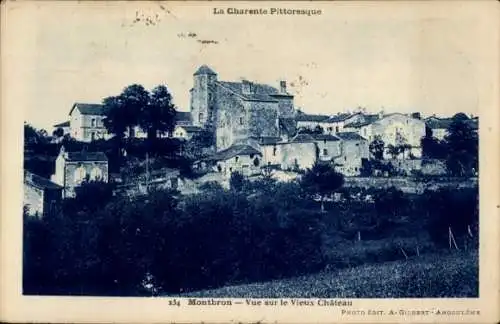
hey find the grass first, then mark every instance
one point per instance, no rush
(446, 274)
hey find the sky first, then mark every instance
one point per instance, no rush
(396, 58)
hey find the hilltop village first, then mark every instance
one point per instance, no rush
(245, 187)
(250, 128)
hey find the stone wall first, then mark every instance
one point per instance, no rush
(202, 99)
(33, 198)
(245, 164)
(434, 167)
(349, 163)
(70, 182)
(290, 155)
(407, 184)
(263, 118)
(285, 106)
(333, 149)
(232, 118)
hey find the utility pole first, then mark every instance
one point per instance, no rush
(147, 172)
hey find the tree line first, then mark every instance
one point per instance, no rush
(102, 244)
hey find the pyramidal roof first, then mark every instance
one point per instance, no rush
(204, 69)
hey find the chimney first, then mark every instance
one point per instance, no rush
(283, 86)
(246, 87)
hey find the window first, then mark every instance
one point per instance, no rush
(251, 156)
(96, 174)
(92, 136)
(236, 159)
(324, 141)
(200, 117)
(345, 158)
(274, 150)
(325, 152)
(336, 129)
(80, 175)
(241, 120)
(256, 162)
(93, 122)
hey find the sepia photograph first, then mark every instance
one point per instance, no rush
(252, 154)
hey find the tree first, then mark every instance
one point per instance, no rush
(158, 114)
(393, 150)
(31, 135)
(432, 148)
(460, 116)
(59, 132)
(322, 179)
(462, 143)
(377, 148)
(237, 181)
(115, 121)
(124, 110)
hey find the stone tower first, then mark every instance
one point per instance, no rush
(203, 98)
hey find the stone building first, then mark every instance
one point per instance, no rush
(399, 129)
(298, 153)
(42, 197)
(439, 126)
(329, 147)
(238, 158)
(237, 111)
(309, 121)
(74, 168)
(186, 132)
(353, 149)
(87, 122)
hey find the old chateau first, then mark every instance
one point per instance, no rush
(253, 126)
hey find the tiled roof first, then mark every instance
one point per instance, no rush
(339, 117)
(183, 116)
(235, 150)
(350, 136)
(268, 140)
(40, 182)
(367, 120)
(89, 109)
(87, 156)
(311, 118)
(438, 123)
(302, 138)
(260, 92)
(204, 69)
(325, 137)
(64, 124)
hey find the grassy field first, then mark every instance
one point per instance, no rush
(446, 274)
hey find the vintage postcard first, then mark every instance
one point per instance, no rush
(250, 162)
